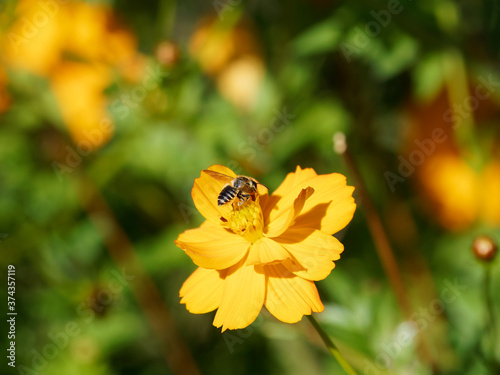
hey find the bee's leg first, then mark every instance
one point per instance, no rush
(242, 197)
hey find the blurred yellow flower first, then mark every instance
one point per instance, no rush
(46, 33)
(240, 82)
(459, 196)
(266, 252)
(78, 46)
(451, 188)
(454, 193)
(35, 40)
(233, 57)
(78, 89)
(215, 45)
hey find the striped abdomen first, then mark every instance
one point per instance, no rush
(226, 195)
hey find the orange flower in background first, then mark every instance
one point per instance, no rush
(36, 49)
(266, 252)
(240, 82)
(216, 45)
(79, 47)
(45, 34)
(451, 189)
(453, 193)
(458, 195)
(78, 89)
(232, 56)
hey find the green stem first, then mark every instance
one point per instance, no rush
(490, 309)
(331, 346)
(457, 91)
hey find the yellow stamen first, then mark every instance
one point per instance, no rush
(246, 220)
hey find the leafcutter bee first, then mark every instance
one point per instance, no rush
(238, 189)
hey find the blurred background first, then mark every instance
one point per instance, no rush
(110, 109)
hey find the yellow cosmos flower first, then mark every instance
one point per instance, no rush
(233, 56)
(267, 251)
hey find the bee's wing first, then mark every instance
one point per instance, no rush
(225, 179)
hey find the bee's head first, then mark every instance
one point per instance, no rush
(242, 181)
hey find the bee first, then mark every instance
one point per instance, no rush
(238, 189)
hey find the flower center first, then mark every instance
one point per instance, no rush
(246, 220)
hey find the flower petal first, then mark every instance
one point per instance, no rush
(207, 188)
(284, 218)
(262, 190)
(331, 207)
(314, 250)
(210, 246)
(289, 297)
(242, 298)
(267, 251)
(202, 291)
(294, 179)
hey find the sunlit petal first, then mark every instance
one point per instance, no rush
(331, 207)
(210, 246)
(294, 180)
(267, 251)
(286, 217)
(242, 298)
(290, 297)
(314, 251)
(202, 291)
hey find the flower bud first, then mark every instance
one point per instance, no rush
(484, 248)
(167, 53)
